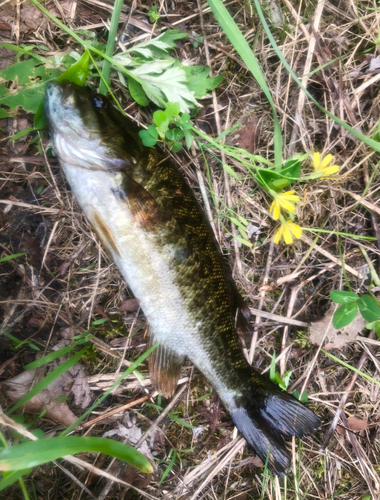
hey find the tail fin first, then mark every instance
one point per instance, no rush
(265, 415)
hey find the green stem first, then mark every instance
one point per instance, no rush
(117, 8)
(354, 236)
(343, 265)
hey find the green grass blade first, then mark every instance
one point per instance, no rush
(243, 49)
(48, 380)
(33, 453)
(11, 257)
(367, 140)
(11, 478)
(117, 8)
(49, 357)
(362, 374)
(168, 468)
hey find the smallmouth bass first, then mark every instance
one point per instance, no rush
(148, 219)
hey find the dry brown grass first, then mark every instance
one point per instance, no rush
(67, 280)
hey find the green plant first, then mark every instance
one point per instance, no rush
(154, 15)
(350, 302)
(179, 128)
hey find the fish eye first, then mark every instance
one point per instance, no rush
(98, 102)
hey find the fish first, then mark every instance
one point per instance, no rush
(152, 226)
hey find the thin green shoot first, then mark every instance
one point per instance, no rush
(11, 257)
(105, 75)
(243, 49)
(359, 372)
(342, 264)
(169, 467)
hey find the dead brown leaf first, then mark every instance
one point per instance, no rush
(248, 136)
(130, 305)
(20, 385)
(336, 339)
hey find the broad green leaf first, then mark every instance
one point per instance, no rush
(177, 146)
(77, 73)
(31, 77)
(369, 308)
(137, 92)
(33, 453)
(147, 139)
(344, 315)
(342, 297)
(174, 134)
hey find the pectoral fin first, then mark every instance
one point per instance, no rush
(164, 369)
(142, 205)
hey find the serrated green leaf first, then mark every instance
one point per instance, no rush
(343, 297)
(172, 109)
(369, 308)
(344, 315)
(170, 84)
(199, 81)
(33, 453)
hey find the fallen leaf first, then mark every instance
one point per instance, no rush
(130, 305)
(58, 411)
(357, 424)
(248, 136)
(336, 339)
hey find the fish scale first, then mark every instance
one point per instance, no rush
(151, 224)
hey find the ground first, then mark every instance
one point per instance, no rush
(66, 281)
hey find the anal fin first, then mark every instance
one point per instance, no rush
(164, 369)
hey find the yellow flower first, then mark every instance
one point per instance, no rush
(321, 166)
(287, 230)
(283, 200)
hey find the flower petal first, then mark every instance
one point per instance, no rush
(287, 205)
(316, 161)
(287, 234)
(326, 160)
(275, 209)
(287, 192)
(293, 197)
(278, 235)
(330, 170)
(295, 229)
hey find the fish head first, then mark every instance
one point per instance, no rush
(87, 130)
